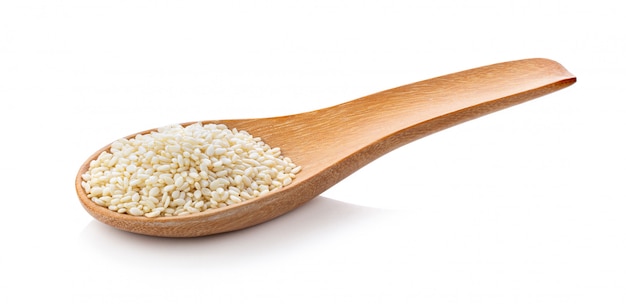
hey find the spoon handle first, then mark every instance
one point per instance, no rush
(401, 115)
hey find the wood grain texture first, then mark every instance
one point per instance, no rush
(334, 142)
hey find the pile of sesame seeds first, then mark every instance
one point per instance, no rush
(180, 170)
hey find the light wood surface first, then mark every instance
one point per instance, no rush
(334, 142)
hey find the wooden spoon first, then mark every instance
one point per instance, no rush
(334, 142)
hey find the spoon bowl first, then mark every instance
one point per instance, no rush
(332, 143)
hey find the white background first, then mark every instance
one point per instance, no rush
(526, 205)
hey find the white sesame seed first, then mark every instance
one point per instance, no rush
(96, 191)
(164, 168)
(154, 191)
(135, 211)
